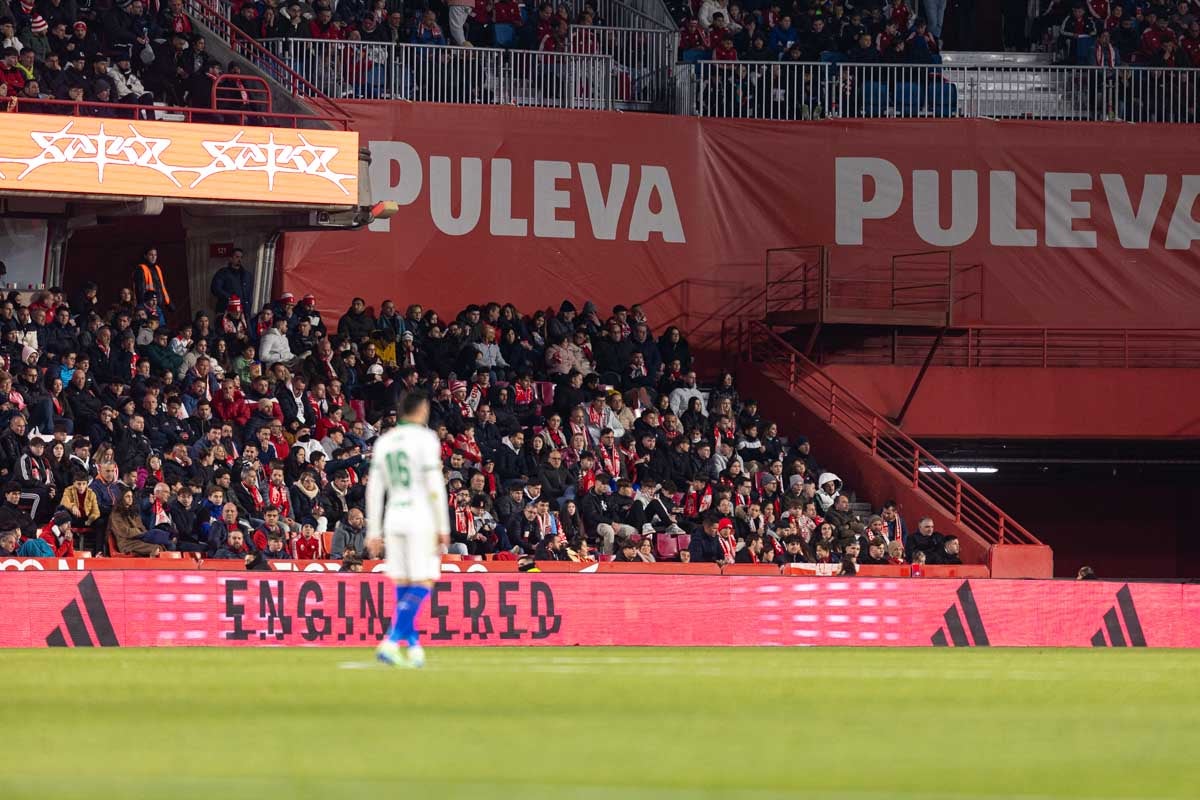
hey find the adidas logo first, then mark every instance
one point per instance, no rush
(1123, 611)
(76, 623)
(954, 623)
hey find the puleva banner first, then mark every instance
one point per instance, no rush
(143, 608)
(46, 153)
(1067, 220)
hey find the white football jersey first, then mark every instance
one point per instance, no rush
(406, 494)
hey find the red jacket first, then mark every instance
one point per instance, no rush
(331, 33)
(64, 550)
(693, 40)
(308, 549)
(235, 410)
(507, 12)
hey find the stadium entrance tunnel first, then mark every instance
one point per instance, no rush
(67, 239)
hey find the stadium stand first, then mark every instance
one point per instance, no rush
(778, 61)
(565, 433)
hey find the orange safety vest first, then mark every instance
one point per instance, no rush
(148, 283)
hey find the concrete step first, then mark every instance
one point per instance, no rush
(965, 58)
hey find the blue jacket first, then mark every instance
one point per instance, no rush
(781, 39)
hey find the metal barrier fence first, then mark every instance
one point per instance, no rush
(431, 73)
(753, 89)
(643, 62)
(796, 90)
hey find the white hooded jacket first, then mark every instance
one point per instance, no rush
(825, 499)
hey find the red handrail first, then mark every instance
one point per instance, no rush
(842, 409)
(995, 346)
(207, 12)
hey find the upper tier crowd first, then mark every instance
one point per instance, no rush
(143, 52)
(84, 51)
(1095, 32)
(131, 429)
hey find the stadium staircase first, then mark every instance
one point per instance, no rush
(291, 93)
(875, 457)
(805, 302)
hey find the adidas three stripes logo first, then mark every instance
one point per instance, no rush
(76, 621)
(1123, 612)
(954, 623)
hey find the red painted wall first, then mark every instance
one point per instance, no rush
(1031, 403)
(1122, 528)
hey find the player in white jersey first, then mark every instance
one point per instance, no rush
(406, 505)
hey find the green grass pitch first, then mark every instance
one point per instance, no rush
(601, 724)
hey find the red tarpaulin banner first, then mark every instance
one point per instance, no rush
(142, 608)
(531, 206)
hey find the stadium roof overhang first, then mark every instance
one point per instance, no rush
(86, 170)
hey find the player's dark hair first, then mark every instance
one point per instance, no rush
(412, 402)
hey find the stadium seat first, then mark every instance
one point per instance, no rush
(505, 35)
(665, 547)
(326, 544)
(113, 552)
(682, 541)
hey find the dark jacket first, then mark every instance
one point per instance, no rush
(940, 556)
(706, 549)
(929, 544)
(356, 326)
(554, 482)
(846, 524)
(595, 509)
(230, 281)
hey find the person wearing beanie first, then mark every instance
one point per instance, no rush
(39, 37)
(563, 324)
(84, 40)
(233, 322)
(57, 533)
(127, 87)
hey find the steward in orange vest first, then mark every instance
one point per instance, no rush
(147, 277)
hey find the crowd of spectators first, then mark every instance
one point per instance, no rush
(1097, 32)
(568, 433)
(464, 23)
(82, 51)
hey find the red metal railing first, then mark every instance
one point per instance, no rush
(804, 278)
(1007, 346)
(92, 108)
(208, 13)
(841, 409)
